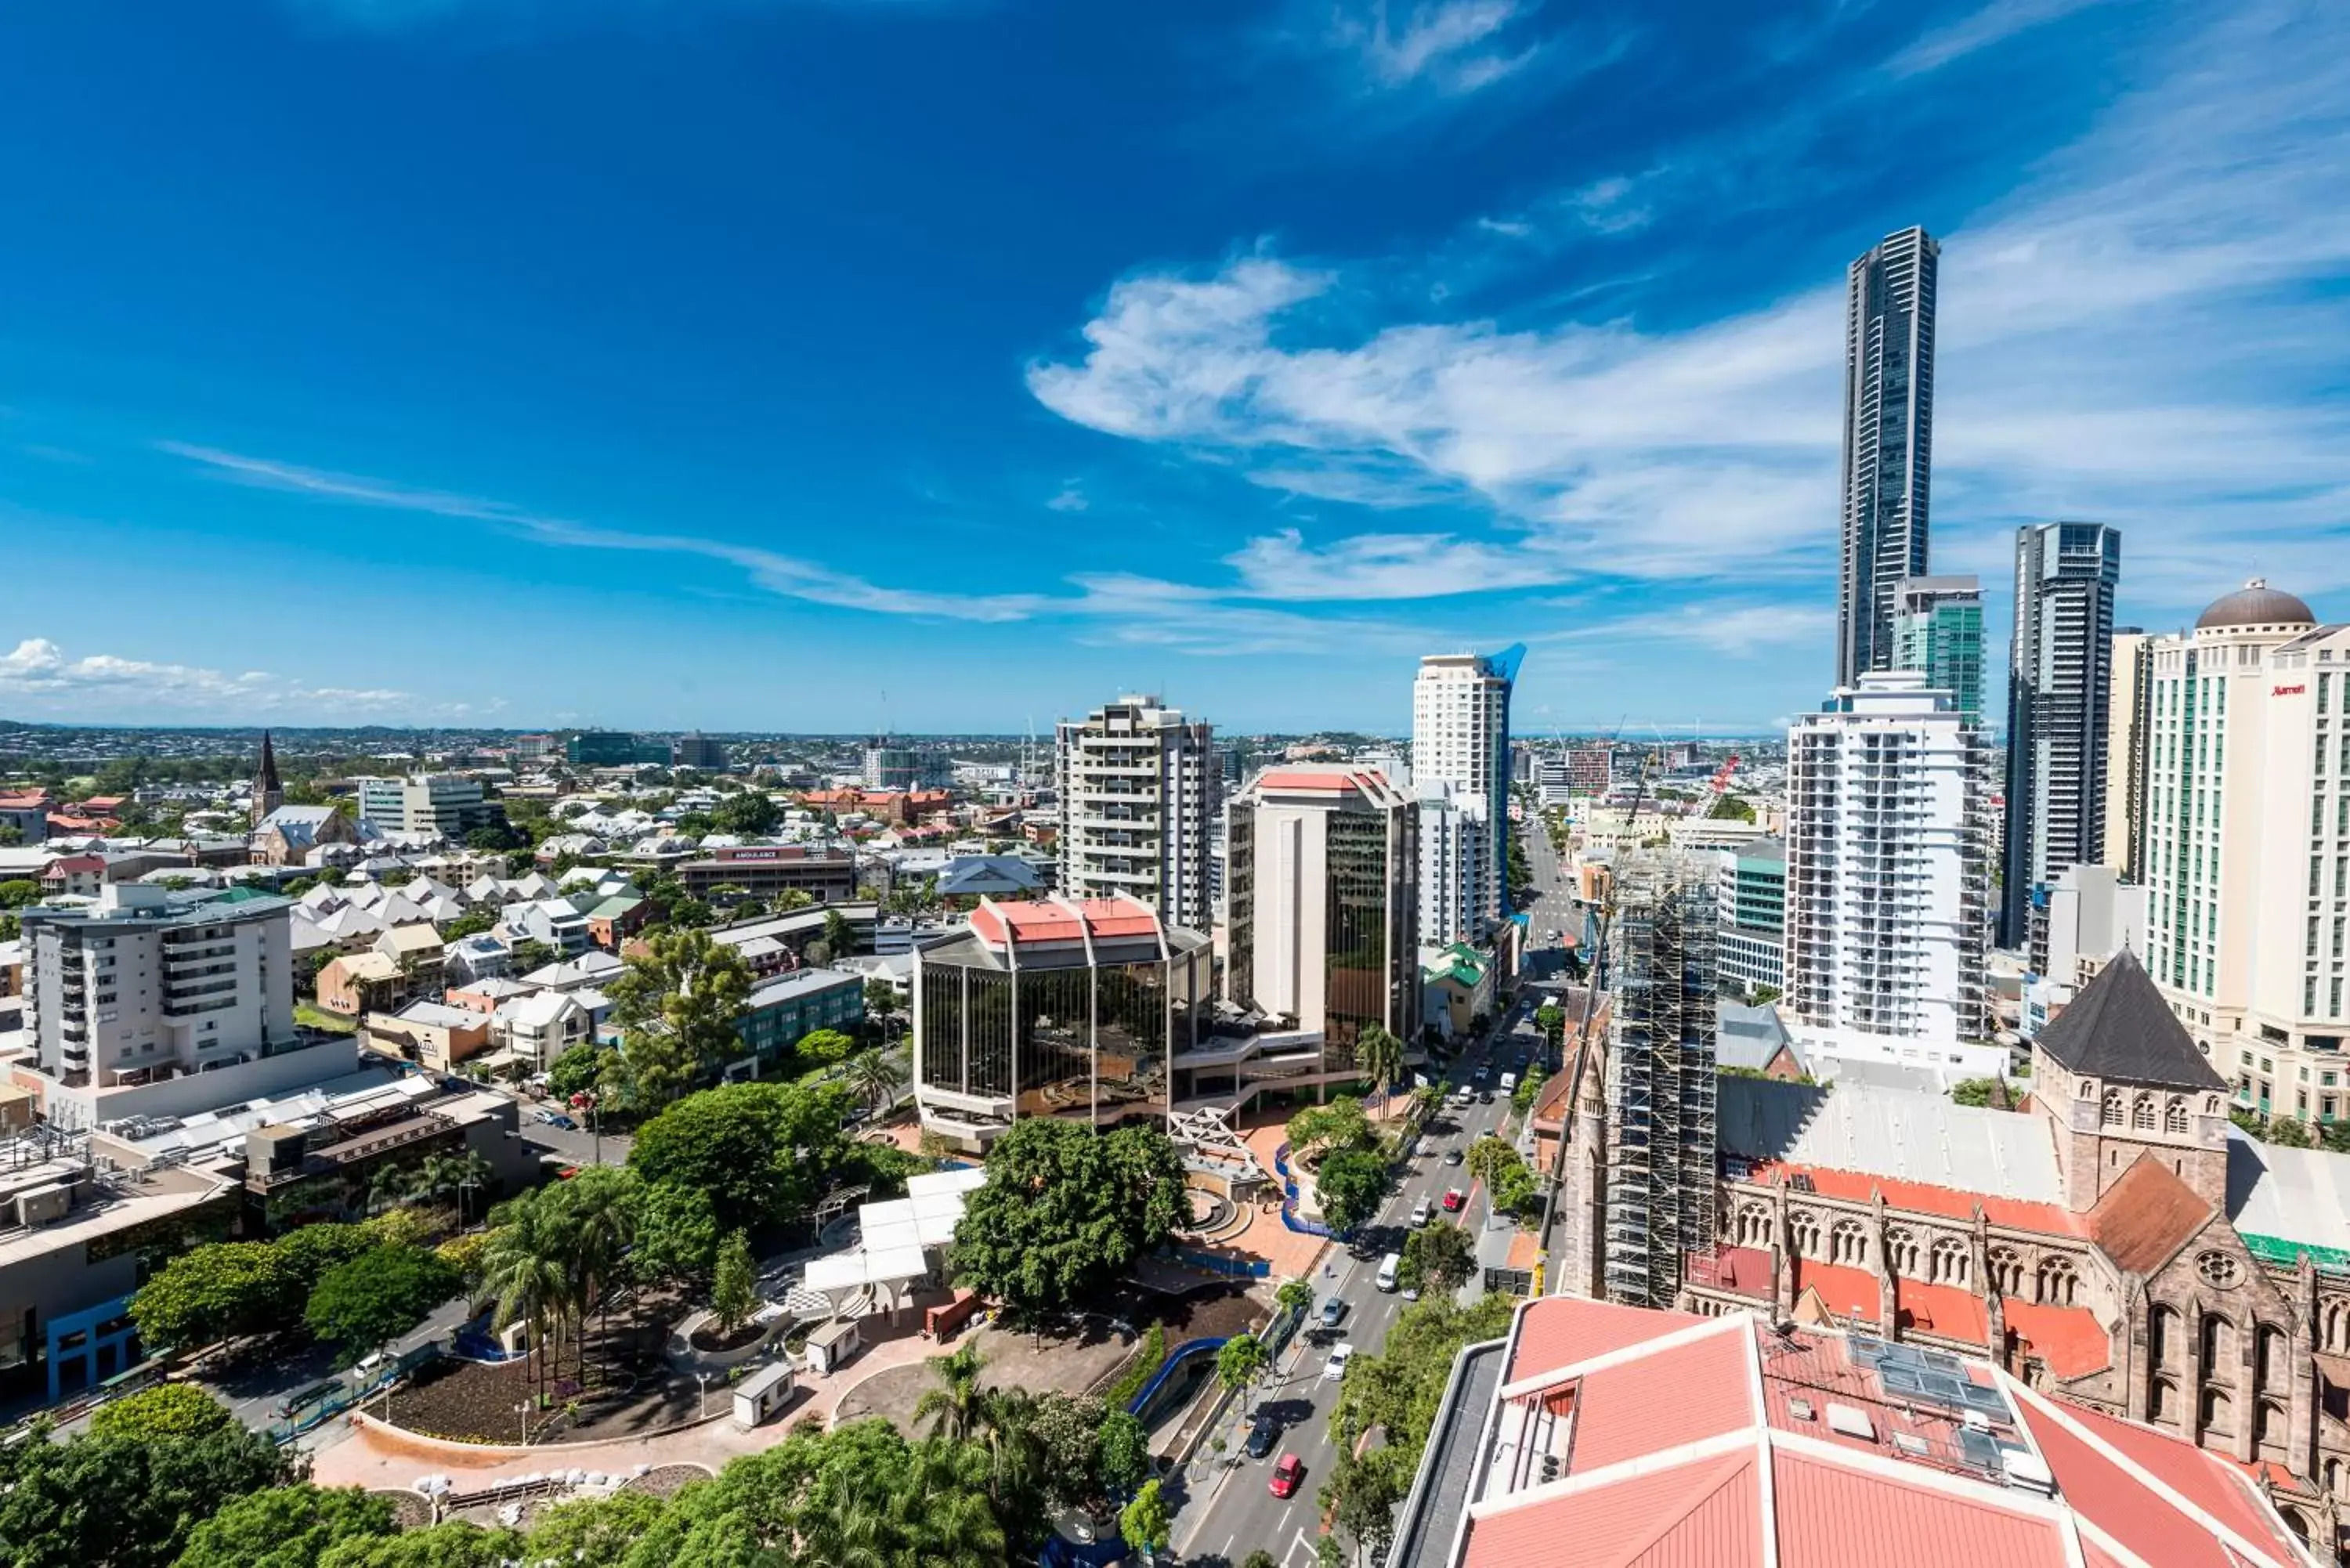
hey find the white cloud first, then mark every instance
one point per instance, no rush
(1385, 567)
(39, 669)
(1736, 630)
(2149, 331)
(1072, 498)
(1994, 23)
(1452, 45)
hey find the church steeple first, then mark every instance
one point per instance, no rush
(268, 795)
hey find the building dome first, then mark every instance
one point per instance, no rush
(2255, 604)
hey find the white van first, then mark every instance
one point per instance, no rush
(1388, 1267)
(1509, 1082)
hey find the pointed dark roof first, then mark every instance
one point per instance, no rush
(2120, 1028)
(268, 779)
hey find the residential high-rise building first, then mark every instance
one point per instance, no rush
(147, 983)
(1938, 629)
(1461, 772)
(1591, 770)
(1323, 912)
(1661, 1155)
(2248, 848)
(1139, 789)
(892, 765)
(1750, 932)
(2127, 711)
(1887, 878)
(1888, 427)
(2059, 682)
(699, 752)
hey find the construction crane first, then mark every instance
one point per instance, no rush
(1722, 774)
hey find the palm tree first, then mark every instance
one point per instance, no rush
(1381, 1057)
(599, 1211)
(945, 1519)
(957, 1407)
(874, 1077)
(444, 1175)
(526, 1264)
(1007, 1433)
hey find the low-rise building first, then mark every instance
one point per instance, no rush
(528, 1032)
(790, 1006)
(827, 874)
(1456, 985)
(434, 1034)
(558, 922)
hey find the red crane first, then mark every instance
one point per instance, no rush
(1722, 774)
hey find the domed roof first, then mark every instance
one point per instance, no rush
(2256, 604)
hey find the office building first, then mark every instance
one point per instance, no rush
(699, 752)
(1598, 1434)
(1057, 1007)
(782, 1011)
(1325, 908)
(148, 984)
(1591, 771)
(2127, 710)
(1887, 881)
(426, 805)
(2059, 682)
(1660, 1157)
(1938, 630)
(1460, 773)
(2079, 922)
(1751, 918)
(600, 748)
(826, 873)
(1889, 429)
(1139, 790)
(2248, 848)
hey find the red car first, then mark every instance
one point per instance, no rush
(1286, 1475)
(1453, 1199)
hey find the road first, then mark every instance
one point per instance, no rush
(1240, 1514)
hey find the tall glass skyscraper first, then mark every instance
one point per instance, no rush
(1461, 771)
(2059, 691)
(1937, 628)
(1888, 427)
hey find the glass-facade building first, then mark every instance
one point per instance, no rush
(1056, 1008)
(1938, 629)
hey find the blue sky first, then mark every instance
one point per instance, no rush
(956, 363)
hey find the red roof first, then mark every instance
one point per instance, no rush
(1656, 1451)
(1860, 1186)
(1051, 920)
(37, 800)
(1848, 1292)
(65, 865)
(1946, 1312)
(2069, 1339)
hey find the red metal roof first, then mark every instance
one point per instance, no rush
(2123, 1507)
(1704, 1515)
(1944, 1311)
(1860, 1186)
(1831, 1516)
(1662, 1400)
(2069, 1339)
(2215, 1487)
(1557, 1330)
(1044, 920)
(1848, 1292)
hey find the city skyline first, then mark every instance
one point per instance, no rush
(1383, 393)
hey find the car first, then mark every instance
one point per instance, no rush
(294, 1404)
(1452, 1157)
(1421, 1214)
(1263, 1434)
(1485, 1097)
(1287, 1473)
(1333, 1312)
(566, 1123)
(1453, 1199)
(544, 1117)
(1340, 1353)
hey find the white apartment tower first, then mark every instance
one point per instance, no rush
(1887, 872)
(1139, 788)
(146, 984)
(1460, 773)
(2247, 847)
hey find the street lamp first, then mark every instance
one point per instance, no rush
(703, 1379)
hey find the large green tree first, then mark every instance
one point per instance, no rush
(1350, 1186)
(163, 1410)
(1065, 1210)
(679, 1005)
(452, 1544)
(211, 1292)
(593, 1533)
(677, 1235)
(121, 1500)
(734, 1287)
(285, 1527)
(368, 1303)
(1381, 1057)
(1319, 1130)
(1437, 1257)
(306, 1254)
(763, 1152)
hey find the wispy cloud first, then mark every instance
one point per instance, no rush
(39, 668)
(1735, 629)
(1994, 23)
(1453, 46)
(1072, 498)
(2147, 332)
(777, 573)
(1385, 567)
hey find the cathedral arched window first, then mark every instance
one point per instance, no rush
(2006, 1271)
(2111, 1115)
(1901, 1253)
(1803, 1228)
(2174, 1115)
(1947, 1262)
(2142, 1114)
(2058, 1283)
(1848, 1243)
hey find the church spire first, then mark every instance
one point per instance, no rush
(268, 793)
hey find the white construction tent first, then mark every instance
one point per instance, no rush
(897, 1236)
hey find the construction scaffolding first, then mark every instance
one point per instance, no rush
(1660, 1151)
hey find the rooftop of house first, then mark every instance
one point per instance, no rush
(1660, 1438)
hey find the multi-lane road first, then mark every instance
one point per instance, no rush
(1235, 1512)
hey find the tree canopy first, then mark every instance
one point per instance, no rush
(164, 1410)
(285, 1527)
(678, 1006)
(1065, 1210)
(763, 1151)
(122, 1500)
(378, 1296)
(211, 1293)
(1350, 1186)
(1438, 1256)
(1318, 1130)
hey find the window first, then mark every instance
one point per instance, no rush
(2111, 1114)
(2174, 1115)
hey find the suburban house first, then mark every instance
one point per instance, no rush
(558, 922)
(1456, 985)
(533, 1031)
(615, 920)
(434, 1034)
(363, 982)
